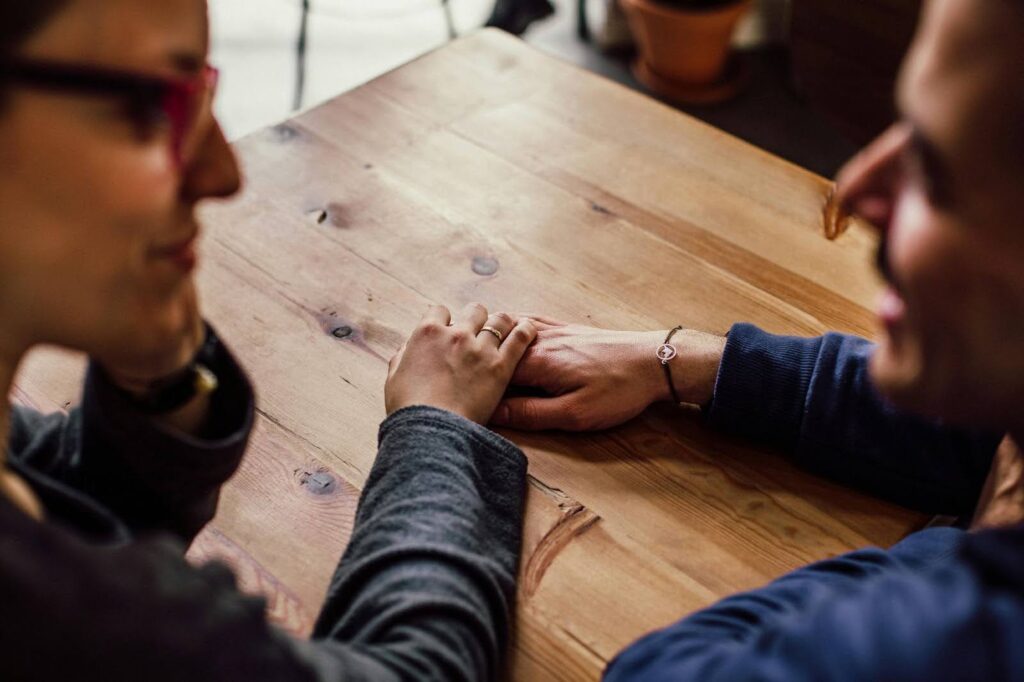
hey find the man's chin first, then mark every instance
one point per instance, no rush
(896, 380)
(904, 382)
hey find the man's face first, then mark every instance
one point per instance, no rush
(943, 188)
(97, 214)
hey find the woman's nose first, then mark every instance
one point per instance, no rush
(213, 170)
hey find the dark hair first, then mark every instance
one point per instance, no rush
(20, 19)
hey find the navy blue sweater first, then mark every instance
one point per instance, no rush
(940, 605)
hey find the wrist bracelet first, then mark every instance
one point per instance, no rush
(666, 352)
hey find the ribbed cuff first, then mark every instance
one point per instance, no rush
(436, 417)
(762, 385)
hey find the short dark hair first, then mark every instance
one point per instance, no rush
(19, 20)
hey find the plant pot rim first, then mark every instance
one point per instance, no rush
(654, 7)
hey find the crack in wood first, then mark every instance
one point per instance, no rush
(574, 520)
(284, 607)
(583, 645)
(323, 452)
(327, 322)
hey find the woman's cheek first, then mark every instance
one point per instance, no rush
(139, 182)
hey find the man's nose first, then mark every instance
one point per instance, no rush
(213, 170)
(867, 183)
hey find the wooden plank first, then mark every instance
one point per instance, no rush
(284, 608)
(645, 153)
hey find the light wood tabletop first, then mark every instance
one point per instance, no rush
(486, 171)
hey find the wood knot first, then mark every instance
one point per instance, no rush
(338, 215)
(319, 482)
(284, 132)
(318, 215)
(342, 332)
(485, 266)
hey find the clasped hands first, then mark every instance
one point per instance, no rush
(581, 378)
(578, 378)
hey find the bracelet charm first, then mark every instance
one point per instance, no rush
(666, 352)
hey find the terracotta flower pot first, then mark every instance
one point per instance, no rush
(690, 47)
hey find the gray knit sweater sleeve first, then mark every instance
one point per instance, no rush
(425, 589)
(423, 592)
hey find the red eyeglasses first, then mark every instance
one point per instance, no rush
(152, 102)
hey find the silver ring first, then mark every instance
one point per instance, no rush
(498, 335)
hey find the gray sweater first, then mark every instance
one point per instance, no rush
(101, 591)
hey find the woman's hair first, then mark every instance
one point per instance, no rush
(21, 18)
(18, 21)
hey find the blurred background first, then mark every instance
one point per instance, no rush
(819, 72)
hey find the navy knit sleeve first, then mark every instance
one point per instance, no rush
(924, 611)
(813, 399)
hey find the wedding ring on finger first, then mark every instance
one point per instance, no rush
(497, 334)
(498, 325)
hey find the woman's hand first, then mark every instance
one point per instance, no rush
(595, 378)
(458, 367)
(1002, 499)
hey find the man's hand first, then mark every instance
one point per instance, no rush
(458, 368)
(595, 378)
(1002, 499)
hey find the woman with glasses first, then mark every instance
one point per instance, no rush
(107, 145)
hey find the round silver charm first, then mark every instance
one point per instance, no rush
(666, 352)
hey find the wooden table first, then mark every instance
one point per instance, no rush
(489, 172)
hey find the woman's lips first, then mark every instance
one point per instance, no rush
(182, 255)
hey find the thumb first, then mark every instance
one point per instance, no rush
(535, 413)
(396, 360)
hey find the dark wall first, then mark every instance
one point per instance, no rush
(845, 58)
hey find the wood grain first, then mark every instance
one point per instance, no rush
(488, 172)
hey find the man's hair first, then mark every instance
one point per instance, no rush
(21, 18)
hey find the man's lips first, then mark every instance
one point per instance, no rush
(891, 308)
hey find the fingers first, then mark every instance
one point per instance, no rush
(396, 359)
(501, 323)
(438, 314)
(517, 341)
(536, 414)
(472, 318)
(541, 321)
